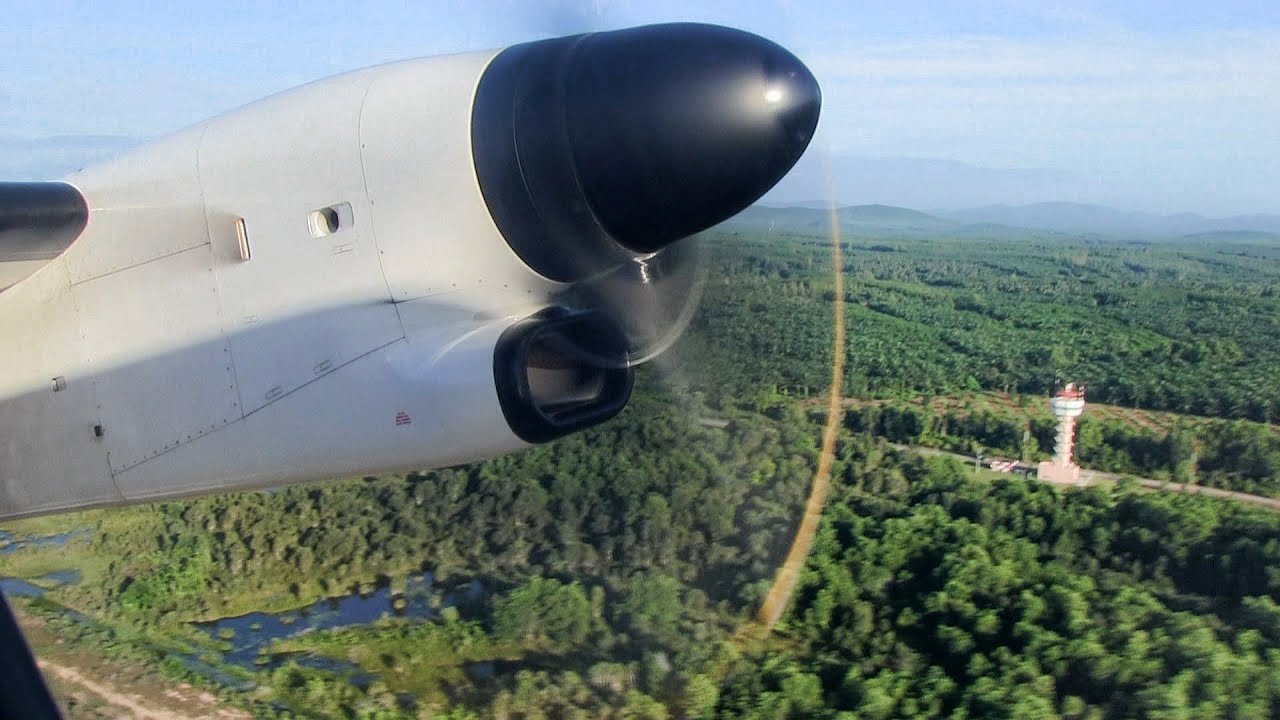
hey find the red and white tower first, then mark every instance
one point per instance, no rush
(1067, 405)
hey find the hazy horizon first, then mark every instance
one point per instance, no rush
(941, 184)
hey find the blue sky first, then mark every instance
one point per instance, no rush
(1160, 106)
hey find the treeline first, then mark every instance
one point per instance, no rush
(1237, 455)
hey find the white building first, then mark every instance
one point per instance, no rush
(1067, 405)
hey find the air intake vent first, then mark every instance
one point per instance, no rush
(559, 372)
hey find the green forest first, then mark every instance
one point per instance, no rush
(619, 569)
(1179, 325)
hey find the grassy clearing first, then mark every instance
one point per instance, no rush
(424, 659)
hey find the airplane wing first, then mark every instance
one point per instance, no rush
(23, 693)
(37, 222)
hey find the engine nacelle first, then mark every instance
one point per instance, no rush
(379, 271)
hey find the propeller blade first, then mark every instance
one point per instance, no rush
(651, 298)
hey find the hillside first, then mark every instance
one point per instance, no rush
(882, 221)
(1005, 221)
(1098, 219)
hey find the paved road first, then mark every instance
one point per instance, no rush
(1098, 477)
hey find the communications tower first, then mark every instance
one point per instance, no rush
(1067, 404)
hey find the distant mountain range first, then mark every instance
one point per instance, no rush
(920, 182)
(924, 183)
(859, 218)
(1083, 218)
(1005, 220)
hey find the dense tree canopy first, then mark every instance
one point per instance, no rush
(1166, 325)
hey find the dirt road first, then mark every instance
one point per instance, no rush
(1098, 477)
(199, 704)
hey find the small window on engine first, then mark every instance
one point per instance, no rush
(329, 220)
